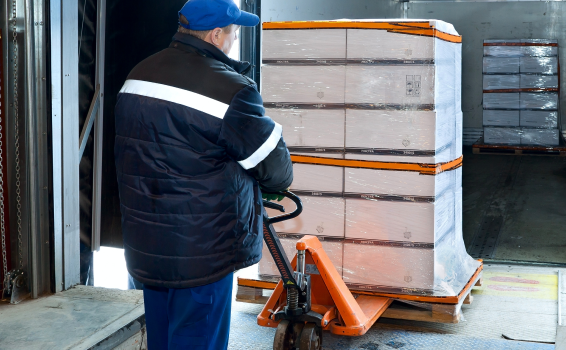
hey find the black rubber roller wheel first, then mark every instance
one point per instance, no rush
(311, 338)
(283, 336)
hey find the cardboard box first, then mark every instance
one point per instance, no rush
(497, 65)
(390, 85)
(393, 267)
(501, 118)
(317, 178)
(544, 137)
(506, 136)
(303, 84)
(400, 221)
(529, 81)
(321, 216)
(301, 44)
(311, 128)
(503, 51)
(399, 130)
(533, 100)
(333, 249)
(442, 270)
(406, 184)
(381, 44)
(501, 82)
(543, 65)
(539, 119)
(501, 100)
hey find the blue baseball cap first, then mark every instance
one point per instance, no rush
(210, 14)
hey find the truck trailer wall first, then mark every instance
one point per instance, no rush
(300, 10)
(478, 21)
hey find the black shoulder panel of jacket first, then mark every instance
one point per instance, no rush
(187, 69)
(275, 172)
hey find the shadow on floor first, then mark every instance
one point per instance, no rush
(515, 207)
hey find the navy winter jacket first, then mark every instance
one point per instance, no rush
(192, 148)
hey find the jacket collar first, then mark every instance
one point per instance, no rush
(211, 51)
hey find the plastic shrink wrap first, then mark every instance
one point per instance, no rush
(401, 91)
(521, 92)
(364, 92)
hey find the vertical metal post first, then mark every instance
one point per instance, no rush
(56, 141)
(31, 145)
(36, 148)
(250, 47)
(65, 139)
(98, 127)
(70, 141)
(559, 297)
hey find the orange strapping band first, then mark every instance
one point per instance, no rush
(414, 28)
(425, 169)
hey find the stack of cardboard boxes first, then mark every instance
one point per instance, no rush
(521, 91)
(380, 101)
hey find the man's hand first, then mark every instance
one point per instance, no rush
(272, 197)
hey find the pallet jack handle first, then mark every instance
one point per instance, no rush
(272, 240)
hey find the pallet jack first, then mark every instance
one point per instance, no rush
(311, 295)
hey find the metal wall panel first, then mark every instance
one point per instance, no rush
(36, 154)
(300, 10)
(477, 21)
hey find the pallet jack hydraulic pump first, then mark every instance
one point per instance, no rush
(311, 295)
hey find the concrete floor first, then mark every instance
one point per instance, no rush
(78, 319)
(523, 198)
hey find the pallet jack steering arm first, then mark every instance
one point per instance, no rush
(304, 304)
(297, 283)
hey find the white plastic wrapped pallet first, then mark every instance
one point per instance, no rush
(368, 94)
(521, 92)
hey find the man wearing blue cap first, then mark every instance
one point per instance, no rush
(193, 148)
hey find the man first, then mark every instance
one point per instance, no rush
(193, 148)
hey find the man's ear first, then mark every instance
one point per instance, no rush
(215, 35)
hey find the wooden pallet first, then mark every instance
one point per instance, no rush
(405, 307)
(518, 150)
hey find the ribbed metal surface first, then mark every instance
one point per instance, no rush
(246, 334)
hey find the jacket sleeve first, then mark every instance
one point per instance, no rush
(255, 141)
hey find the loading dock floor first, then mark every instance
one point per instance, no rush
(515, 207)
(520, 302)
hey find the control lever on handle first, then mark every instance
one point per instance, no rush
(271, 205)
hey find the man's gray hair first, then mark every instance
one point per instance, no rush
(201, 34)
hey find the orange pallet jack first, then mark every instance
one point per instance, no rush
(311, 295)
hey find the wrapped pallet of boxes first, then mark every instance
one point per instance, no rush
(371, 114)
(521, 90)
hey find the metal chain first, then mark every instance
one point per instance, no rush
(17, 136)
(2, 227)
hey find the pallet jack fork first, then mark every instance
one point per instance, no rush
(311, 295)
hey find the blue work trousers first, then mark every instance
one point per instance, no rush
(189, 319)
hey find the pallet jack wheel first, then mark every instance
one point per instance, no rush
(311, 337)
(284, 336)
